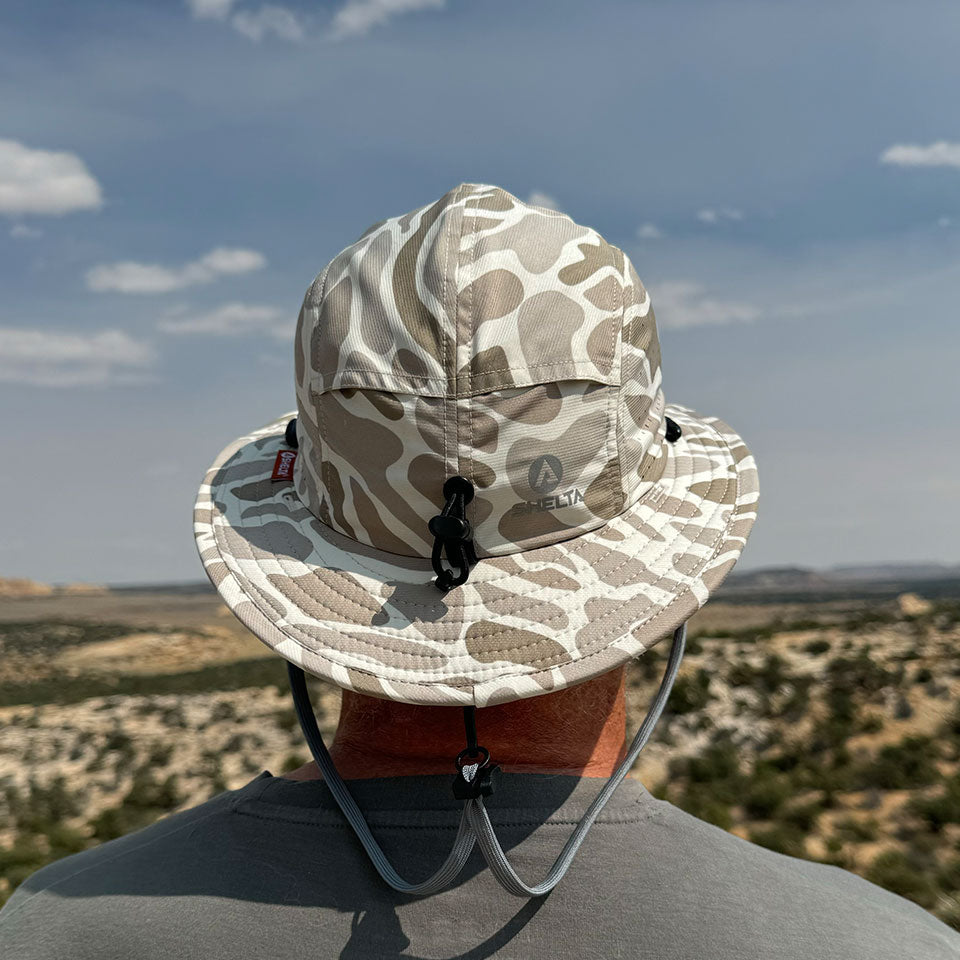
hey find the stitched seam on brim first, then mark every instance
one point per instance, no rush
(381, 677)
(382, 643)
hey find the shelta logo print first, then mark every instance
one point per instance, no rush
(546, 472)
(544, 477)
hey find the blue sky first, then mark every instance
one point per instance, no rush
(786, 178)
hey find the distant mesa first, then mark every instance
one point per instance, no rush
(17, 588)
(20, 588)
(778, 578)
(891, 578)
(82, 589)
(898, 571)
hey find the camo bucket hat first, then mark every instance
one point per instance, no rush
(479, 409)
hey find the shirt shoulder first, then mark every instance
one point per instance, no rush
(757, 895)
(64, 908)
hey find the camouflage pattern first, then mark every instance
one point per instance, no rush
(484, 337)
(474, 336)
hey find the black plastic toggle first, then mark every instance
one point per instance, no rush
(290, 434)
(450, 528)
(674, 433)
(453, 535)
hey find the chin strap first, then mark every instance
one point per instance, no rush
(475, 825)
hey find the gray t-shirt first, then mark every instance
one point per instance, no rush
(273, 871)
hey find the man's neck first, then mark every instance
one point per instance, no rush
(578, 731)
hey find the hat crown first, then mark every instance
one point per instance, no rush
(484, 337)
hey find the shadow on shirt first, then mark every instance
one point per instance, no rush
(284, 844)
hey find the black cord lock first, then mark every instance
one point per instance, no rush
(475, 777)
(453, 535)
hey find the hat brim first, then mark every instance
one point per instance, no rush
(524, 624)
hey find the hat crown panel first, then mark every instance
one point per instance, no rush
(475, 292)
(482, 336)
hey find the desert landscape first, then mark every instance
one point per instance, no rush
(815, 714)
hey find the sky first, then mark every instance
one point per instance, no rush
(785, 177)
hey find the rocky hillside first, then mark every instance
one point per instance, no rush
(826, 730)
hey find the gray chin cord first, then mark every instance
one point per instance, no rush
(475, 825)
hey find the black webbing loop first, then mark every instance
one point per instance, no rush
(453, 535)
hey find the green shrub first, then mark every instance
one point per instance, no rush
(940, 809)
(292, 762)
(797, 701)
(873, 723)
(719, 762)
(223, 710)
(903, 710)
(802, 816)
(816, 647)
(119, 741)
(699, 801)
(765, 795)
(908, 764)
(18, 861)
(286, 719)
(147, 800)
(826, 769)
(860, 673)
(951, 726)
(149, 793)
(950, 914)
(852, 830)
(948, 876)
(788, 758)
(894, 871)
(160, 754)
(63, 840)
(783, 838)
(765, 679)
(690, 693)
(43, 806)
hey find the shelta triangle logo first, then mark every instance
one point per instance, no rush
(283, 465)
(544, 477)
(545, 474)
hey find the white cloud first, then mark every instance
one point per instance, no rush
(210, 9)
(279, 21)
(128, 276)
(44, 182)
(254, 24)
(679, 305)
(939, 154)
(230, 260)
(716, 214)
(48, 358)
(945, 222)
(538, 198)
(231, 320)
(648, 231)
(357, 17)
(20, 231)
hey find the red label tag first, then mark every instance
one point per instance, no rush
(283, 465)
